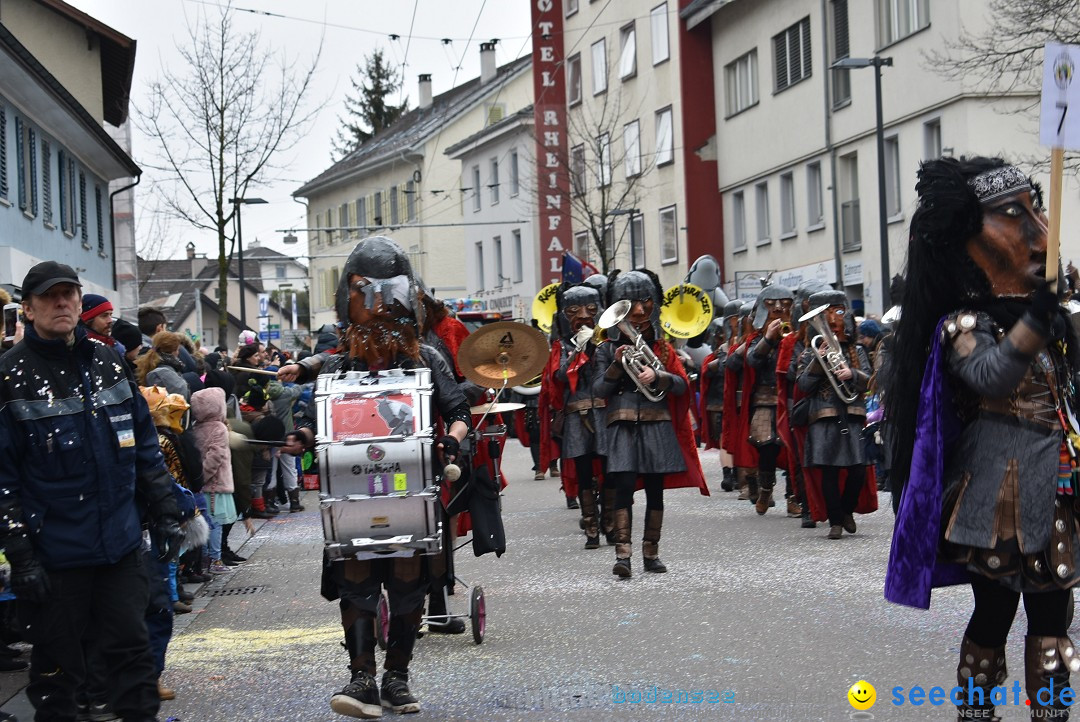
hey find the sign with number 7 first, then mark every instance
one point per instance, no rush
(1060, 128)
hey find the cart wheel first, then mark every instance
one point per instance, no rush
(478, 613)
(382, 620)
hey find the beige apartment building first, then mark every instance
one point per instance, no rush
(402, 184)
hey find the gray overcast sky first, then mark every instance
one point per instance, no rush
(350, 29)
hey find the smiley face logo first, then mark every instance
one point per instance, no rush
(862, 695)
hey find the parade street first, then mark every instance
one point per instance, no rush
(776, 619)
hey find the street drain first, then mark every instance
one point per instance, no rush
(235, 591)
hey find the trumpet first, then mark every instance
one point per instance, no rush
(640, 356)
(829, 353)
(786, 329)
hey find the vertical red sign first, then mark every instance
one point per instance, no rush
(552, 176)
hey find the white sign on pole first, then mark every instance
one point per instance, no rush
(1059, 124)
(294, 309)
(264, 304)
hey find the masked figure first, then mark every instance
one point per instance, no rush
(711, 398)
(985, 450)
(379, 300)
(648, 437)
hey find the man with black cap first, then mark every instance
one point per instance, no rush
(77, 445)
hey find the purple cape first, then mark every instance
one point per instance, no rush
(913, 566)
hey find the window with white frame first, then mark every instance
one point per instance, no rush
(515, 182)
(840, 48)
(932, 139)
(571, 7)
(281, 270)
(582, 245)
(637, 241)
(659, 25)
(573, 79)
(665, 151)
(519, 257)
(761, 210)
(740, 79)
(480, 265)
(738, 220)
(791, 54)
(815, 206)
(577, 169)
(494, 185)
(476, 188)
(896, 19)
(497, 242)
(892, 176)
(787, 204)
(603, 145)
(850, 215)
(627, 52)
(599, 66)
(669, 236)
(632, 148)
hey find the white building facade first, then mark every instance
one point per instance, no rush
(797, 142)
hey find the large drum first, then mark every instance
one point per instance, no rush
(375, 464)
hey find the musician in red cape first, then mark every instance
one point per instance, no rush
(735, 436)
(648, 441)
(577, 308)
(772, 311)
(834, 459)
(380, 300)
(711, 396)
(793, 430)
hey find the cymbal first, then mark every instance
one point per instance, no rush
(505, 350)
(495, 408)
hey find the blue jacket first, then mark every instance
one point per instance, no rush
(79, 455)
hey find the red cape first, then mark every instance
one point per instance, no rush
(703, 415)
(452, 332)
(552, 393)
(735, 436)
(679, 407)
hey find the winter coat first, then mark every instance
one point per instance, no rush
(77, 445)
(212, 434)
(165, 374)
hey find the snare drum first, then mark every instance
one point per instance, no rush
(367, 527)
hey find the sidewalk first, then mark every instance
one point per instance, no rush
(13, 699)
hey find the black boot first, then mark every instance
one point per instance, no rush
(442, 622)
(650, 544)
(728, 484)
(983, 668)
(1047, 664)
(623, 547)
(395, 693)
(360, 697)
(294, 500)
(588, 516)
(401, 639)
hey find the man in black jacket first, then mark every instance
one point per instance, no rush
(79, 464)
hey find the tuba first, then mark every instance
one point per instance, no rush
(685, 311)
(829, 353)
(640, 356)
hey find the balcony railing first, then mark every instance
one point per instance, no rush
(850, 234)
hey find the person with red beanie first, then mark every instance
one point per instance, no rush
(97, 316)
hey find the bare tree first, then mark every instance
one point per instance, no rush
(605, 172)
(219, 122)
(1006, 58)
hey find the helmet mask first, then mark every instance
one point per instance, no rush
(773, 302)
(642, 290)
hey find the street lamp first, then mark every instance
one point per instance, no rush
(633, 246)
(877, 62)
(237, 202)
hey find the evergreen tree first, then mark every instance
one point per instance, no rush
(367, 110)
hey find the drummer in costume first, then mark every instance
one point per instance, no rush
(772, 318)
(583, 414)
(787, 375)
(711, 398)
(735, 437)
(985, 452)
(647, 442)
(834, 455)
(380, 300)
